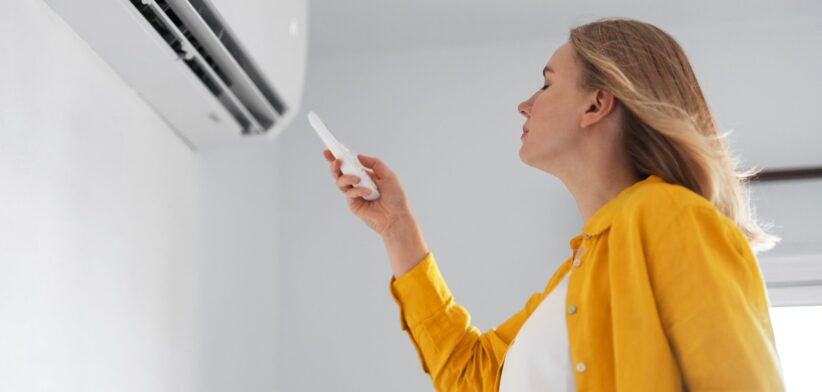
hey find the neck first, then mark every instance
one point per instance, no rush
(601, 179)
(592, 187)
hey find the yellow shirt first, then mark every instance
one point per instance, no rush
(666, 296)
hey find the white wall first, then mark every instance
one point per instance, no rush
(445, 120)
(98, 224)
(238, 269)
(127, 262)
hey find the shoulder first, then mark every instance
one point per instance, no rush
(656, 206)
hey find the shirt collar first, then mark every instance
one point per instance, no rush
(601, 220)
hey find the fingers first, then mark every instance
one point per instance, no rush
(346, 183)
(335, 169)
(356, 192)
(373, 166)
(335, 166)
(345, 180)
(379, 168)
(368, 161)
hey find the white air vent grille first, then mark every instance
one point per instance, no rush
(194, 31)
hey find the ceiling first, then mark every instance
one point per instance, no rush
(341, 27)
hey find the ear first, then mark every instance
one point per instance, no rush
(599, 104)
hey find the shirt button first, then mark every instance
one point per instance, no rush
(586, 237)
(578, 257)
(572, 309)
(581, 367)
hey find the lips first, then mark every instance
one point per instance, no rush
(524, 132)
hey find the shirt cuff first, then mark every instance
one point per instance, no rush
(420, 292)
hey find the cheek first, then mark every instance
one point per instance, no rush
(547, 103)
(553, 127)
(555, 113)
(546, 116)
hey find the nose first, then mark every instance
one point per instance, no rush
(524, 107)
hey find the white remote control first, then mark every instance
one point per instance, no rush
(350, 164)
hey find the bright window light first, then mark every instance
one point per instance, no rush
(798, 333)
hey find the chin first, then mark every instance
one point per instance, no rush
(526, 160)
(522, 156)
(535, 163)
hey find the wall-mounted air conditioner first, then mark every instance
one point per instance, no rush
(219, 72)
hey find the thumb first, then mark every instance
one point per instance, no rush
(379, 168)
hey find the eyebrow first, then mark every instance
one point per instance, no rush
(546, 69)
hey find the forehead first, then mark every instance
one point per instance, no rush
(562, 61)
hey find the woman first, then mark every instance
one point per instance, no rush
(662, 291)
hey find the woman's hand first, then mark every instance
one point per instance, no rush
(389, 215)
(381, 214)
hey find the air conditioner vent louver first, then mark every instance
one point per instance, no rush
(193, 31)
(217, 79)
(213, 21)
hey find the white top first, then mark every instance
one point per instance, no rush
(540, 358)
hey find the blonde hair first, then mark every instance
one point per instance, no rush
(669, 130)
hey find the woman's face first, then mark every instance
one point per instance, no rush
(550, 134)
